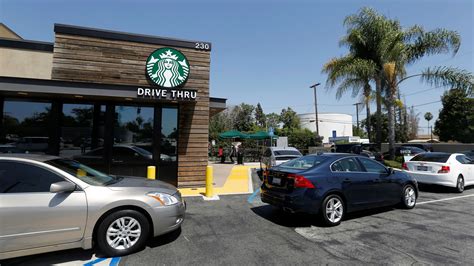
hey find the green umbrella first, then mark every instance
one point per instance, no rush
(233, 134)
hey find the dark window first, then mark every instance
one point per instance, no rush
(286, 152)
(18, 177)
(304, 162)
(463, 159)
(26, 125)
(346, 165)
(124, 154)
(372, 166)
(432, 157)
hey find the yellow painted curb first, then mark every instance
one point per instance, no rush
(237, 182)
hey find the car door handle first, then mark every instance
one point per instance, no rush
(377, 180)
(347, 180)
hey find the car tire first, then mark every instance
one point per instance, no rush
(408, 197)
(332, 210)
(122, 232)
(460, 184)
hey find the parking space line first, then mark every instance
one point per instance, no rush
(453, 198)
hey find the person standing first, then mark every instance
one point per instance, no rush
(220, 154)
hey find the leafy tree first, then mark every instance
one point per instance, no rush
(358, 132)
(260, 118)
(289, 119)
(273, 120)
(219, 123)
(456, 118)
(242, 116)
(412, 123)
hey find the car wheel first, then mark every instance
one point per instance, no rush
(460, 184)
(332, 210)
(409, 197)
(122, 232)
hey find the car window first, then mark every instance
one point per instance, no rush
(18, 177)
(286, 152)
(432, 157)
(463, 159)
(304, 162)
(346, 165)
(125, 154)
(372, 166)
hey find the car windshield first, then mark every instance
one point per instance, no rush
(286, 152)
(304, 162)
(432, 157)
(83, 172)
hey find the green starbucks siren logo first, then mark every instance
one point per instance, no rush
(167, 67)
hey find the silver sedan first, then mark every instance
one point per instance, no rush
(48, 203)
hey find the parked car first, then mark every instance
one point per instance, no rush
(126, 159)
(333, 184)
(368, 150)
(452, 170)
(469, 154)
(406, 150)
(49, 203)
(8, 148)
(33, 144)
(277, 155)
(424, 146)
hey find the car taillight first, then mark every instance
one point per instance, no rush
(444, 169)
(404, 166)
(301, 181)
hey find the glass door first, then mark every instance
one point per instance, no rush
(132, 149)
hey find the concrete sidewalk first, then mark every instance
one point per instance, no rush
(228, 179)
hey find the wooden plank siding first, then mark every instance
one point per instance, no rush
(95, 60)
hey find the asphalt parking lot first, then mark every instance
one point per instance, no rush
(440, 230)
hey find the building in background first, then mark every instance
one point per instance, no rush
(330, 124)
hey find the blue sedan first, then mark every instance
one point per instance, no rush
(333, 184)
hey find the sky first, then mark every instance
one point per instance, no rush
(263, 51)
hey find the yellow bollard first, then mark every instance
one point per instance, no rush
(151, 172)
(209, 186)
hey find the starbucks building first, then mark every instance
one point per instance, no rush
(116, 101)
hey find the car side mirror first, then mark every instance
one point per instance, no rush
(62, 187)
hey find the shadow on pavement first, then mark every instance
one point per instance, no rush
(440, 189)
(164, 239)
(293, 220)
(53, 258)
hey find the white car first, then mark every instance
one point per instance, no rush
(451, 170)
(277, 155)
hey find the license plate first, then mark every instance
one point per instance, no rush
(276, 181)
(422, 168)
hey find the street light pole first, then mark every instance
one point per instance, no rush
(316, 106)
(357, 115)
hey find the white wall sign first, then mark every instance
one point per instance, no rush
(168, 94)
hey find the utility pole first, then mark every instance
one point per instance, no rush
(357, 115)
(316, 106)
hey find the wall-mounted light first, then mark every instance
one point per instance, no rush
(129, 99)
(22, 93)
(78, 96)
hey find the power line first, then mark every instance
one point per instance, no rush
(426, 103)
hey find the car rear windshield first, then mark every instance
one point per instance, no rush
(431, 157)
(286, 152)
(304, 162)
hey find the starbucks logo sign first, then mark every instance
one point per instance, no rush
(167, 67)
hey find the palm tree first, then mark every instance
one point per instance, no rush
(352, 74)
(382, 42)
(428, 117)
